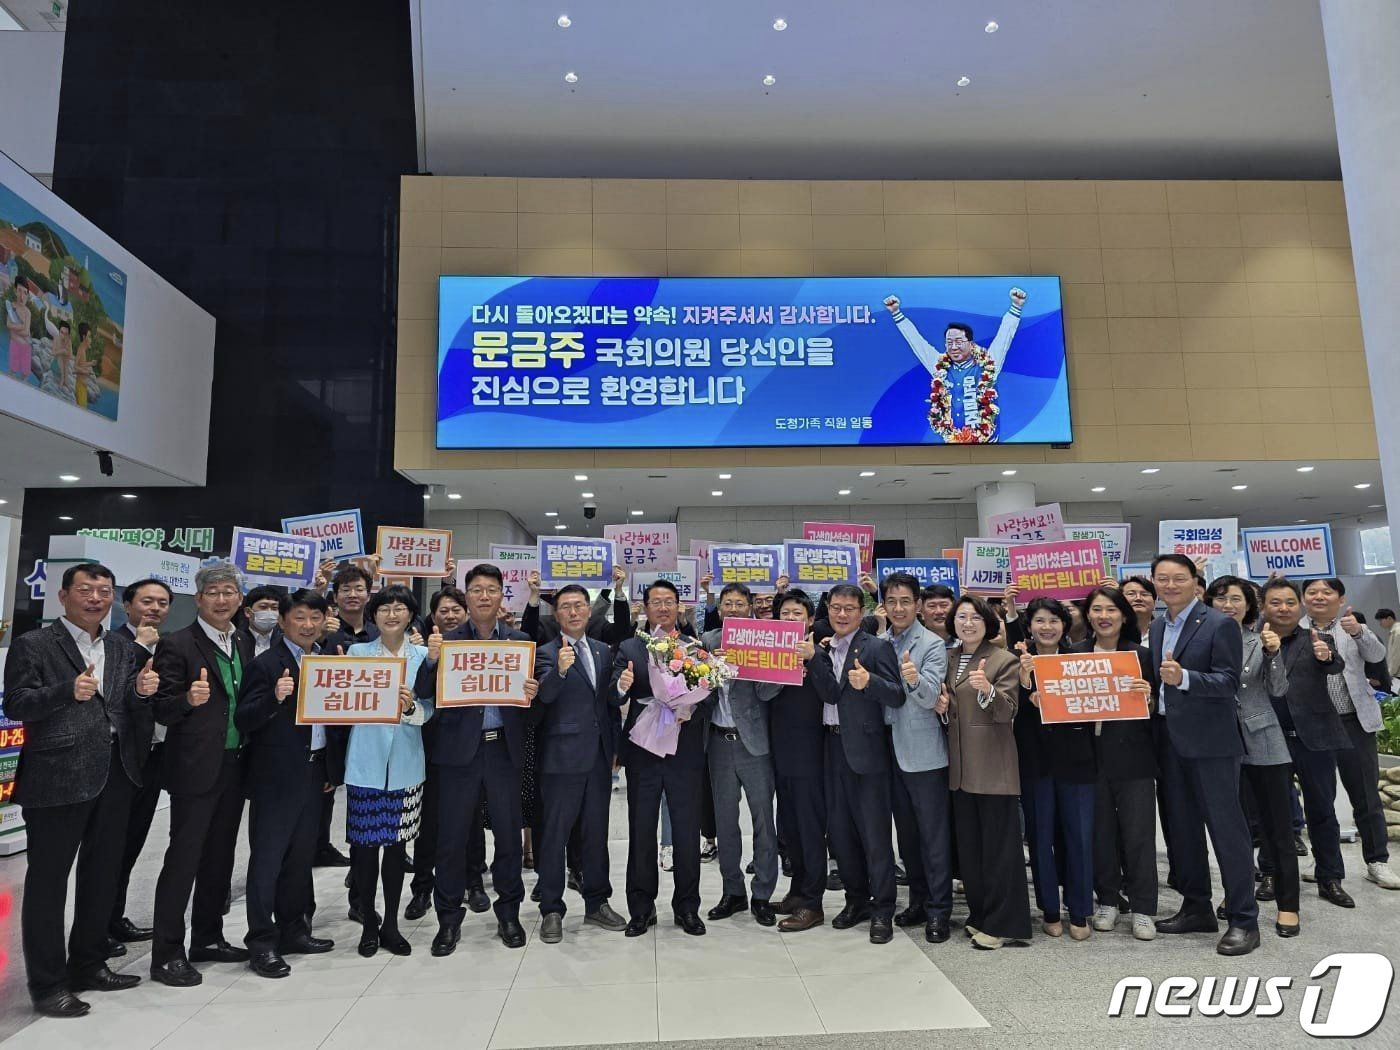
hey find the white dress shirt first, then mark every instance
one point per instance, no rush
(223, 639)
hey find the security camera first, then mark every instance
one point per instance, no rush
(590, 510)
(104, 462)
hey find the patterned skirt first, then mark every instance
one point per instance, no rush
(377, 817)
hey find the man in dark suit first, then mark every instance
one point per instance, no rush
(681, 776)
(84, 699)
(544, 628)
(146, 604)
(288, 774)
(201, 670)
(577, 737)
(478, 751)
(1197, 652)
(857, 676)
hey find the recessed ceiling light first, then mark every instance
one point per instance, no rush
(65, 517)
(561, 526)
(427, 495)
(1304, 470)
(70, 478)
(780, 24)
(867, 473)
(128, 495)
(1150, 470)
(990, 27)
(3, 502)
(1099, 488)
(1301, 520)
(571, 77)
(638, 513)
(563, 21)
(551, 514)
(716, 492)
(769, 80)
(1362, 485)
(843, 492)
(586, 495)
(725, 477)
(1239, 488)
(964, 81)
(1369, 506)
(580, 477)
(1008, 473)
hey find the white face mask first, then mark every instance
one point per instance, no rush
(264, 620)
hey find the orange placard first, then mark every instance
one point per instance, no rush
(475, 673)
(414, 552)
(1089, 687)
(349, 690)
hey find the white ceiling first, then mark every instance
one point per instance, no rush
(1092, 88)
(1277, 492)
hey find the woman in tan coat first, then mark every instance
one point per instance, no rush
(982, 686)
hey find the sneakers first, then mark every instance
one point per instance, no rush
(1144, 927)
(1105, 917)
(1381, 874)
(708, 851)
(667, 861)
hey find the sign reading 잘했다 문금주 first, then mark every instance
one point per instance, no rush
(703, 362)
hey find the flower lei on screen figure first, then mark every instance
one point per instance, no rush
(682, 674)
(940, 411)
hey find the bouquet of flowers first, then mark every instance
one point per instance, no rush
(682, 674)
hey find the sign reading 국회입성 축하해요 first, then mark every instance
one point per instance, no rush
(704, 362)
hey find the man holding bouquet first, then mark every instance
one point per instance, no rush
(679, 775)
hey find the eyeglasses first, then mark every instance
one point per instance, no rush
(356, 591)
(900, 603)
(571, 607)
(86, 591)
(844, 608)
(1230, 599)
(973, 618)
(484, 592)
(222, 593)
(662, 603)
(1179, 581)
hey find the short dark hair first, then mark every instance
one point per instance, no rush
(937, 590)
(1130, 631)
(87, 568)
(262, 593)
(981, 608)
(572, 588)
(907, 580)
(1175, 559)
(84, 330)
(1219, 586)
(741, 589)
(1143, 582)
(846, 590)
(349, 574)
(389, 595)
(1276, 583)
(795, 595)
(1331, 581)
(1051, 605)
(964, 328)
(1382, 614)
(131, 590)
(664, 585)
(303, 597)
(446, 592)
(485, 569)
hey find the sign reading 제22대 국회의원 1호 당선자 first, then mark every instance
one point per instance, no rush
(704, 362)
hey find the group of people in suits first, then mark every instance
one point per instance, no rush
(919, 726)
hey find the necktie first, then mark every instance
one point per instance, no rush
(586, 658)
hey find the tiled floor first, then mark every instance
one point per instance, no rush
(741, 982)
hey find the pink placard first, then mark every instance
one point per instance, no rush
(1034, 526)
(863, 536)
(764, 650)
(1063, 569)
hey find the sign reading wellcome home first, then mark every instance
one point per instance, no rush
(704, 362)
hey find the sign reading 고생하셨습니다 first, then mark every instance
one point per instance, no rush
(1064, 569)
(764, 650)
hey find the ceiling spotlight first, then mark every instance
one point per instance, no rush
(964, 81)
(454, 495)
(580, 477)
(585, 495)
(769, 80)
(551, 514)
(1304, 470)
(725, 477)
(843, 492)
(867, 473)
(990, 27)
(561, 526)
(564, 21)
(716, 492)
(1362, 485)
(638, 513)
(1099, 488)
(1149, 470)
(1239, 488)
(1369, 506)
(427, 495)
(65, 517)
(1008, 473)
(70, 478)
(780, 24)
(128, 495)
(571, 77)
(3, 502)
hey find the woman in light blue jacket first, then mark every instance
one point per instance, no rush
(384, 774)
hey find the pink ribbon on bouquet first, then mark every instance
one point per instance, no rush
(658, 727)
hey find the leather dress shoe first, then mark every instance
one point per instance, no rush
(1266, 890)
(269, 964)
(1186, 922)
(901, 877)
(330, 857)
(102, 979)
(881, 931)
(849, 916)
(787, 905)
(537, 893)
(574, 881)
(219, 951)
(689, 921)
(61, 1003)
(418, 906)
(728, 906)
(605, 918)
(393, 942)
(477, 900)
(369, 941)
(1238, 941)
(1284, 930)
(115, 948)
(911, 916)
(1299, 846)
(445, 942)
(636, 926)
(801, 919)
(787, 866)
(410, 865)
(552, 928)
(511, 933)
(1331, 891)
(833, 881)
(936, 931)
(763, 912)
(306, 945)
(1220, 912)
(177, 973)
(126, 930)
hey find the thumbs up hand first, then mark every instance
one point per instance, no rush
(859, 677)
(1027, 663)
(284, 686)
(434, 645)
(978, 678)
(147, 681)
(415, 636)
(805, 648)
(1350, 623)
(199, 690)
(1269, 639)
(567, 656)
(908, 669)
(1321, 649)
(624, 680)
(85, 685)
(1171, 670)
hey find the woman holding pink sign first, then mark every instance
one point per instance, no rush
(384, 774)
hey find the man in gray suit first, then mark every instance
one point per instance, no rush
(739, 760)
(84, 698)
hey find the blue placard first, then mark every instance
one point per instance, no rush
(928, 571)
(819, 565)
(573, 559)
(646, 362)
(757, 567)
(274, 557)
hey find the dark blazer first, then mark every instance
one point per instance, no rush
(575, 718)
(612, 632)
(1201, 722)
(863, 738)
(67, 748)
(1307, 704)
(194, 743)
(690, 748)
(795, 736)
(1127, 750)
(459, 728)
(276, 748)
